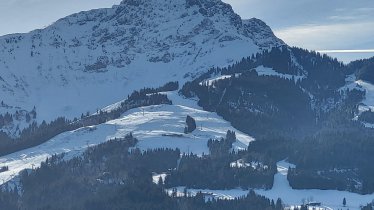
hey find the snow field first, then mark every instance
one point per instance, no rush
(154, 126)
(330, 199)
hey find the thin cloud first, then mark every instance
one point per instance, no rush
(344, 18)
(338, 36)
(352, 14)
(365, 9)
(347, 51)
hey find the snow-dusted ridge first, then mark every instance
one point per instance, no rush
(91, 59)
(151, 125)
(261, 70)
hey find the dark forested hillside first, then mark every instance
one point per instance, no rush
(255, 103)
(307, 120)
(295, 105)
(113, 176)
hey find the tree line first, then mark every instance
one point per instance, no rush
(36, 134)
(113, 175)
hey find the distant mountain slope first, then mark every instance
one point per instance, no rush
(363, 69)
(316, 118)
(91, 59)
(288, 90)
(159, 126)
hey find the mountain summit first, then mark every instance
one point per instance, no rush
(90, 59)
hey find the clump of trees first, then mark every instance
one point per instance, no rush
(221, 147)
(190, 125)
(4, 168)
(8, 118)
(214, 170)
(368, 207)
(367, 116)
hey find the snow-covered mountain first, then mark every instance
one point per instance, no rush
(91, 59)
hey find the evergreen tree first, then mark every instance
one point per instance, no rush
(278, 204)
(190, 124)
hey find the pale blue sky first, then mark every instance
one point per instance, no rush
(311, 24)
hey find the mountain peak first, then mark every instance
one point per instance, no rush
(122, 48)
(261, 33)
(207, 8)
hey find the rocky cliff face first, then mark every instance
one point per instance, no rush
(91, 59)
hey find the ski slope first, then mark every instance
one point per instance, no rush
(353, 83)
(330, 199)
(368, 102)
(154, 127)
(266, 71)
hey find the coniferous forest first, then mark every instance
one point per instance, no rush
(115, 175)
(317, 134)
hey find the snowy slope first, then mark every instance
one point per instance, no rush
(368, 102)
(330, 199)
(153, 129)
(91, 59)
(353, 83)
(261, 70)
